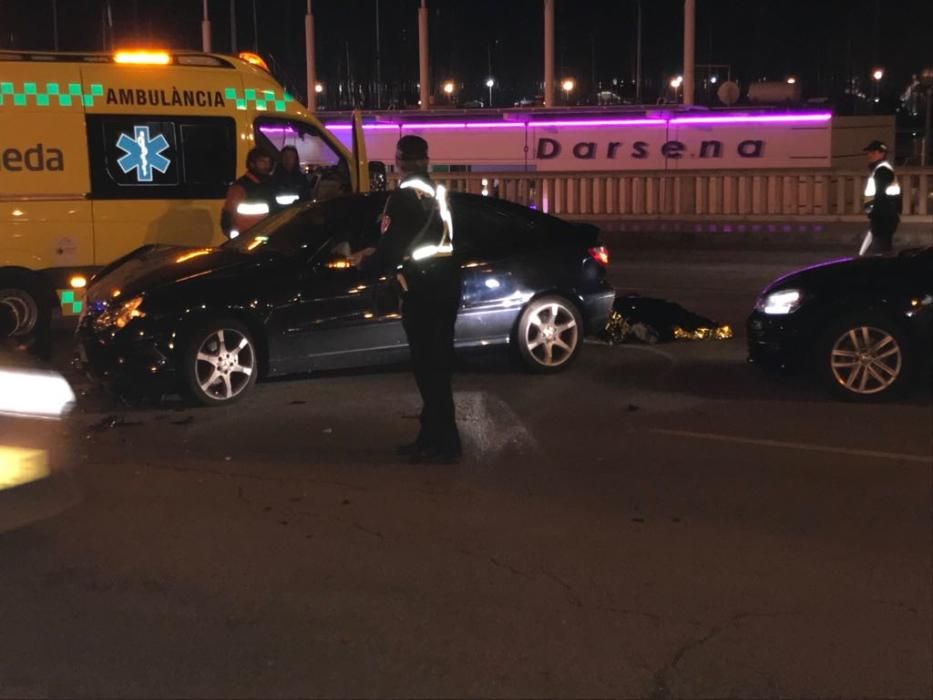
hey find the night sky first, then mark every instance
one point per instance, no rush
(820, 41)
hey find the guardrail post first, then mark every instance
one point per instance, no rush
(907, 194)
(638, 195)
(923, 203)
(625, 195)
(702, 195)
(857, 190)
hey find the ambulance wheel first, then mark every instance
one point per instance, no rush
(220, 363)
(24, 301)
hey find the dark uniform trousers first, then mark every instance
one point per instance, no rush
(882, 236)
(429, 315)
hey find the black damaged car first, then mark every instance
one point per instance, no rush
(282, 299)
(864, 326)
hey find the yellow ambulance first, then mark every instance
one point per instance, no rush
(102, 153)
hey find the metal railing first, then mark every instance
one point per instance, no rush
(813, 195)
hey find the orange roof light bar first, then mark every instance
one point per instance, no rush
(148, 58)
(254, 59)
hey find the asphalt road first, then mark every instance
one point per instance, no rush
(654, 522)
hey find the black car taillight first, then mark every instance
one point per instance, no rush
(600, 254)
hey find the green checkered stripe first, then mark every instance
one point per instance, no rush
(70, 303)
(49, 95)
(260, 99)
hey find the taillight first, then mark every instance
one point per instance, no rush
(600, 254)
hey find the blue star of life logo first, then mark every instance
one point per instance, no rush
(142, 153)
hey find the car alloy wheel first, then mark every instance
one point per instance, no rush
(866, 360)
(225, 364)
(24, 307)
(549, 333)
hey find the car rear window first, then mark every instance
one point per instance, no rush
(494, 228)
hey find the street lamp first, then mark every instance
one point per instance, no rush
(490, 83)
(568, 85)
(877, 74)
(791, 80)
(449, 90)
(319, 88)
(676, 82)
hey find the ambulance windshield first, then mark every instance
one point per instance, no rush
(328, 171)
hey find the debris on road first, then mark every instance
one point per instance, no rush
(647, 320)
(111, 422)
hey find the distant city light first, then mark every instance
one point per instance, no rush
(677, 81)
(449, 87)
(568, 85)
(714, 79)
(319, 88)
(878, 73)
(791, 80)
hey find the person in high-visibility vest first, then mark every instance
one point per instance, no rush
(882, 201)
(290, 183)
(417, 246)
(250, 198)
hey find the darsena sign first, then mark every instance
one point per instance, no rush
(721, 141)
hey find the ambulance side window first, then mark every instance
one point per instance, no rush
(140, 157)
(209, 154)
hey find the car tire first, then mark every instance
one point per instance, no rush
(549, 334)
(864, 357)
(220, 362)
(24, 297)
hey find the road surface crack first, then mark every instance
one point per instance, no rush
(374, 533)
(568, 589)
(509, 567)
(662, 681)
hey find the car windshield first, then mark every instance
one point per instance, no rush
(295, 230)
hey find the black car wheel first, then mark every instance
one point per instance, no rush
(219, 364)
(549, 334)
(864, 357)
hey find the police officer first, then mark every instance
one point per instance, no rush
(250, 198)
(417, 246)
(288, 181)
(882, 200)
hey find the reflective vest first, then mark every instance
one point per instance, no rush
(423, 248)
(253, 208)
(892, 190)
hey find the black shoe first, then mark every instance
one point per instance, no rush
(408, 449)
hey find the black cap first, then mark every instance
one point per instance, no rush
(411, 148)
(876, 146)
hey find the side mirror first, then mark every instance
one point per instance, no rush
(378, 176)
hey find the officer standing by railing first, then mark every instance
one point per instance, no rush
(250, 198)
(882, 201)
(417, 246)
